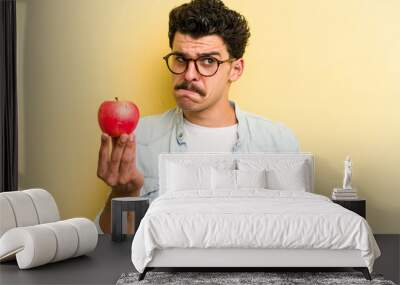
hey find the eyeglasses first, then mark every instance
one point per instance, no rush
(205, 65)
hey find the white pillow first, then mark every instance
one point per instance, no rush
(230, 179)
(251, 178)
(188, 177)
(293, 178)
(223, 179)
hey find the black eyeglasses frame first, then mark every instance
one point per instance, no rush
(219, 62)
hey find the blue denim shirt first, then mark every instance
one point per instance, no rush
(165, 133)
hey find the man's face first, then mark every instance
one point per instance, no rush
(193, 91)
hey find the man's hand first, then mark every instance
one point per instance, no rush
(119, 171)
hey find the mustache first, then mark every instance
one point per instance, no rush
(190, 86)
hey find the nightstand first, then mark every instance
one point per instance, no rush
(358, 206)
(139, 205)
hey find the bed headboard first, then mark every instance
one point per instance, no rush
(228, 160)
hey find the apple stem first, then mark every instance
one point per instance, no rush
(116, 98)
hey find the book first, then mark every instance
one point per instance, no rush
(344, 194)
(344, 197)
(340, 190)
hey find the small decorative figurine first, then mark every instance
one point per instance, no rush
(347, 174)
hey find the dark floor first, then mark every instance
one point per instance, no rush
(389, 262)
(110, 260)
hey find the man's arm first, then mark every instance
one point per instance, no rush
(119, 171)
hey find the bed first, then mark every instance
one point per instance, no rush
(247, 210)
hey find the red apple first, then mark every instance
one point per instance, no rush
(118, 117)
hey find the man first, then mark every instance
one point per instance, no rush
(207, 43)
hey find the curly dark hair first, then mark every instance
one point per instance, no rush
(210, 17)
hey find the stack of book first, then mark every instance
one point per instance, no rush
(344, 194)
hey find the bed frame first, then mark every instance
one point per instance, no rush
(256, 259)
(250, 259)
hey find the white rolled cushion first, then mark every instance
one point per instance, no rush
(33, 245)
(40, 244)
(223, 179)
(251, 178)
(23, 208)
(45, 205)
(67, 239)
(293, 178)
(7, 218)
(184, 177)
(87, 235)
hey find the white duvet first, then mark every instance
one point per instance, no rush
(252, 218)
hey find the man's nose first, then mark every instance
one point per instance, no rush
(191, 71)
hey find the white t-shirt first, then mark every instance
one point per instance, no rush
(206, 139)
(198, 139)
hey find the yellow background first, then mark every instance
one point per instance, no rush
(329, 70)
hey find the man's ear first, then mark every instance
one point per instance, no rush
(236, 70)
